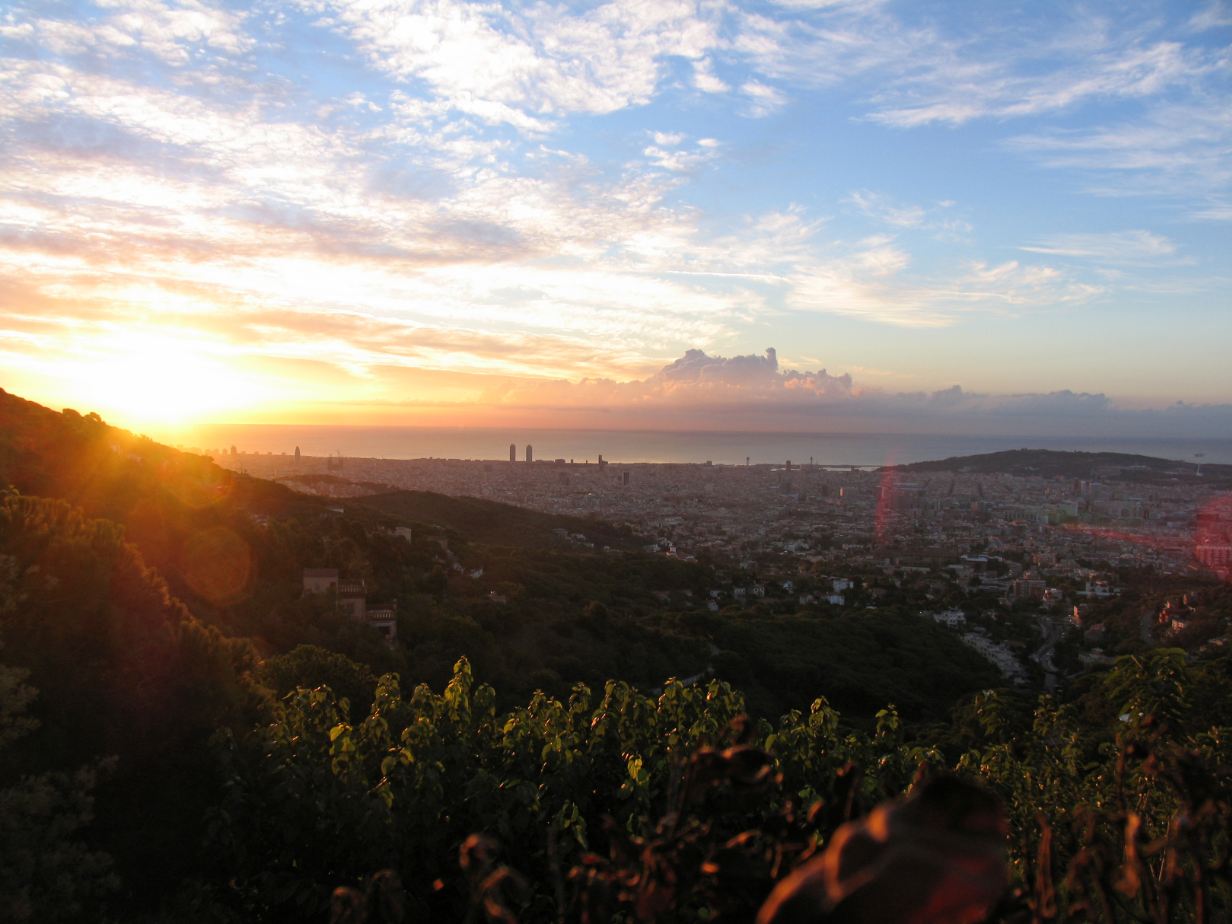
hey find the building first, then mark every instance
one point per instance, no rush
(1027, 588)
(1214, 556)
(351, 597)
(320, 580)
(385, 620)
(513, 452)
(530, 453)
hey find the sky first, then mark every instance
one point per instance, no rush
(802, 214)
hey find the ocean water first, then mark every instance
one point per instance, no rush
(665, 446)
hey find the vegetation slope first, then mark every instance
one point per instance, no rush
(185, 736)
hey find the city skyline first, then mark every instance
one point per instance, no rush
(410, 213)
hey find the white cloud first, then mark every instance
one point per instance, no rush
(1131, 247)
(169, 31)
(751, 391)
(541, 61)
(763, 99)
(1217, 210)
(826, 4)
(705, 79)
(1215, 15)
(668, 139)
(678, 160)
(953, 88)
(881, 208)
(873, 281)
(1173, 151)
(429, 194)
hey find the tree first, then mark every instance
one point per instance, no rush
(47, 871)
(123, 670)
(311, 666)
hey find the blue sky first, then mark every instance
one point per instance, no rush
(405, 212)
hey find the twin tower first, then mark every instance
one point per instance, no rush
(513, 452)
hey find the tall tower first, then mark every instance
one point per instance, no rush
(530, 453)
(513, 452)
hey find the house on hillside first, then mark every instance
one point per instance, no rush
(385, 620)
(351, 597)
(320, 580)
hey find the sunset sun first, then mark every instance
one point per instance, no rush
(160, 379)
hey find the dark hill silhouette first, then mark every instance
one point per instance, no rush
(105, 470)
(165, 499)
(1101, 466)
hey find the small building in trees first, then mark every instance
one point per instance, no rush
(320, 580)
(385, 620)
(351, 597)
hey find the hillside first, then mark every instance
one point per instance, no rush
(157, 769)
(197, 523)
(492, 523)
(108, 471)
(535, 600)
(1098, 466)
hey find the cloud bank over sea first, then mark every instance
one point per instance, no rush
(700, 391)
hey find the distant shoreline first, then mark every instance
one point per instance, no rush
(627, 447)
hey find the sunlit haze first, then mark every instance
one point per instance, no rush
(954, 217)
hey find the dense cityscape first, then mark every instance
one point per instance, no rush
(975, 549)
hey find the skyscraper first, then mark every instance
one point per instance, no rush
(513, 452)
(530, 453)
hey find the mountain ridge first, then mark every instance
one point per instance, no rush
(1078, 464)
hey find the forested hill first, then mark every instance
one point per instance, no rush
(200, 526)
(1102, 466)
(494, 523)
(159, 493)
(108, 471)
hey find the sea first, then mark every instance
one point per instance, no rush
(630, 446)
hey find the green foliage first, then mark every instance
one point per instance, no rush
(421, 772)
(311, 666)
(47, 871)
(617, 804)
(861, 660)
(123, 670)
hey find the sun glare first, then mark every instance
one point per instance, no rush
(160, 380)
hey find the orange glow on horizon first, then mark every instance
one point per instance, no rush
(158, 380)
